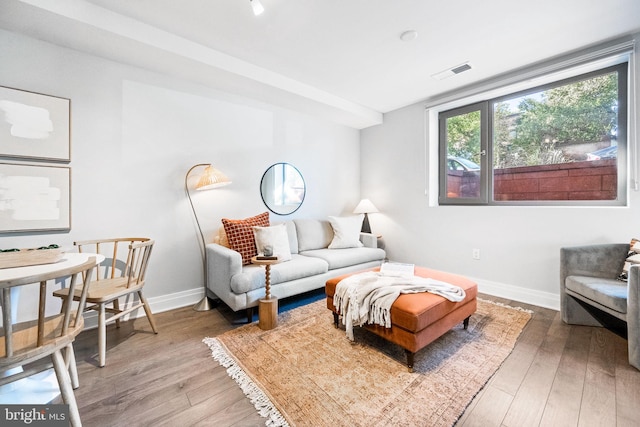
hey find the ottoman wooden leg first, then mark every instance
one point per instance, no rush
(410, 356)
(336, 320)
(465, 322)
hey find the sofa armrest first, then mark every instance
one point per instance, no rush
(604, 260)
(369, 240)
(633, 316)
(222, 264)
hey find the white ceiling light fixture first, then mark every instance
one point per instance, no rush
(257, 7)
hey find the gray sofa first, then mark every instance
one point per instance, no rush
(312, 263)
(589, 287)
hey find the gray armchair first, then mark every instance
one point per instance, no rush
(588, 280)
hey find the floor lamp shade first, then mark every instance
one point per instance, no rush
(212, 178)
(209, 179)
(365, 207)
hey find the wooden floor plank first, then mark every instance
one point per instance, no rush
(599, 396)
(530, 400)
(234, 415)
(201, 413)
(565, 397)
(513, 371)
(627, 386)
(490, 409)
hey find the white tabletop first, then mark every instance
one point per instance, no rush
(68, 260)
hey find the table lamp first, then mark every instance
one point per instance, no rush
(365, 207)
(209, 179)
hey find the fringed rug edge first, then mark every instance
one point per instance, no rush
(526, 310)
(254, 393)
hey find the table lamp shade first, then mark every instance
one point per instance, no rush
(365, 207)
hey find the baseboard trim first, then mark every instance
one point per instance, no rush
(517, 293)
(158, 305)
(193, 296)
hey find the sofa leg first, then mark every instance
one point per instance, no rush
(249, 314)
(410, 357)
(465, 322)
(336, 320)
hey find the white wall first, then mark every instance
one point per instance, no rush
(519, 246)
(136, 133)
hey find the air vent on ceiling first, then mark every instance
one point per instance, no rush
(452, 71)
(461, 68)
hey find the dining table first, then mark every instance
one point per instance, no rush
(41, 388)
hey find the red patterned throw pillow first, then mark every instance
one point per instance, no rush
(240, 234)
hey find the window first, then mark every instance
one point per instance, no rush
(561, 143)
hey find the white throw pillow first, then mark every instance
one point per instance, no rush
(346, 231)
(276, 237)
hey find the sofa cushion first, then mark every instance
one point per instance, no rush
(610, 293)
(275, 237)
(253, 277)
(346, 231)
(293, 236)
(338, 258)
(313, 234)
(240, 234)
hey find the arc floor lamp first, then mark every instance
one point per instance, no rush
(209, 179)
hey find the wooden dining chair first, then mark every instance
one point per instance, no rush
(26, 343)
(120, 275)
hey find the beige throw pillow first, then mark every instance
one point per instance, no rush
(346, 231)
(221, 238)
(276, 237)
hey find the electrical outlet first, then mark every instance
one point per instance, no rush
(475, 253)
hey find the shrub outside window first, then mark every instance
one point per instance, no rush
(561, 143)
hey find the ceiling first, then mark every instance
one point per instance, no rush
(338, 59)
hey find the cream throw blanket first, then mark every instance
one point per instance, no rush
(367, 297)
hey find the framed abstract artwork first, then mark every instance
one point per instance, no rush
(34, 198)
(34, 126)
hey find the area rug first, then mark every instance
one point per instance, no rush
(306, 372)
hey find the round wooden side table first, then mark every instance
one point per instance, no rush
(268, 306)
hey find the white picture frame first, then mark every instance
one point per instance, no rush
(34, 126)
(34, 198)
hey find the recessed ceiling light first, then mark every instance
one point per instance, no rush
(409, 35)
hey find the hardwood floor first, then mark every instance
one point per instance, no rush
(557, 375)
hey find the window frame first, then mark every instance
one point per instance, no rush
(486, 108)
(443, 164)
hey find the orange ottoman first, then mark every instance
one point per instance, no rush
(421, 318)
